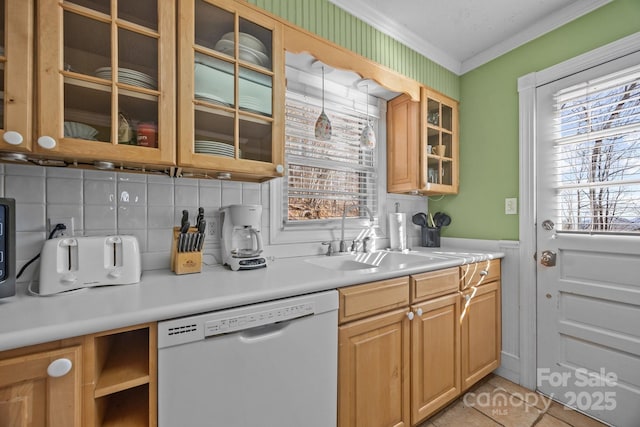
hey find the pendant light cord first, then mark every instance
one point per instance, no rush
(367, 102)
(323, 88)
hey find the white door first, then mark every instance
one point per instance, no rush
(588, 218)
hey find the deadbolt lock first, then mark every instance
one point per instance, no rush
(548, 258)
(548, 225)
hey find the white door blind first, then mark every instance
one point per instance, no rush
(322, 176)
(597, 155)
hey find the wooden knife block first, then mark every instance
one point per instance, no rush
(185, 262)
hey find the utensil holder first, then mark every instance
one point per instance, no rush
(185, 262)
(431, 237)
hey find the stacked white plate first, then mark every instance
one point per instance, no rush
(254, 104)
(251, 49)
(214, 147)
(130, 77)
(211, 98)
(79, 130)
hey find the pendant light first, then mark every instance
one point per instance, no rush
(368, 136)
(323, 125)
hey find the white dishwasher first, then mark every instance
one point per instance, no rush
(268, 364)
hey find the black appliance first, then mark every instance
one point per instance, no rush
(7, 247)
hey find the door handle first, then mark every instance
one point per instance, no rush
(548, 259)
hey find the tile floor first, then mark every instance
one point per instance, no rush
(496, 402)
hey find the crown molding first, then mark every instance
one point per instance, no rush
(459, 66)
(544, 26)
(381, 22)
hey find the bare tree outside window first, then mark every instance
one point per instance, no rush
(598, 155)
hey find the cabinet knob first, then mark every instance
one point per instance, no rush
(419, 312)
(279, 168)
(484, 272)
(12, 137)
(46, 142)
(410, 315)
(59, 367)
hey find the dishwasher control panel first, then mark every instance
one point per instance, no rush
(252, 320)
(184, 330)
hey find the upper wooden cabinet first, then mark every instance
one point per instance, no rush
(231, 90)
(16, 72)
(403, 147)
(422, 144)
(439, 145)
(106, 81)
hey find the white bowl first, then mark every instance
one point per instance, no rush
(79, 130)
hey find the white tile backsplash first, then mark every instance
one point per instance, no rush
(132, 217)
(251, 193)
(25, 189)
(147, 206)
(99, 218)
(99, 192)
(231, 193)
(64, 190)
(30, 217)
(186, 192)
(160, 217)
(160, 194)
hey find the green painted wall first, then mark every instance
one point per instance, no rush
(489, 119)
(325, 19)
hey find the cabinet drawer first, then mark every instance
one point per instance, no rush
(434, 284)
(471, 274)
(365, 300)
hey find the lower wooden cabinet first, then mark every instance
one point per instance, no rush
(481, 332)
(409, 346)
(121, 377)
(373, 380)
(32, 396)
(435, 355)
(98, 380)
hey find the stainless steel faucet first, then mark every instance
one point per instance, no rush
(343, 243)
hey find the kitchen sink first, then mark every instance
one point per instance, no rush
(382, 259)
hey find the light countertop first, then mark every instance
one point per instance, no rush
(161, 295)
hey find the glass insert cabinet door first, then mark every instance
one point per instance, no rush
(107, 80)
(231, 73)
(16, 72)
(440, 116)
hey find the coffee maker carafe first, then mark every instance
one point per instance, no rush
(241, 240)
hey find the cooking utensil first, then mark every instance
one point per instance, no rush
(420, 219)
(441, 219)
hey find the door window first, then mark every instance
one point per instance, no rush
(597, 154)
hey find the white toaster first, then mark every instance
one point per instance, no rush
(69, 263)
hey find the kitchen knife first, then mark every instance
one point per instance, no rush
(202, 225)
(183, 233)
(185, 218)
(200, 216)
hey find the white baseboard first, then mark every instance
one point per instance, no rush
(509, 367)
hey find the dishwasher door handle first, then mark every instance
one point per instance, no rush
(264, 332)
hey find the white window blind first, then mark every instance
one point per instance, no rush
(597, 154)
(321, 176)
